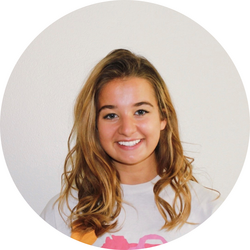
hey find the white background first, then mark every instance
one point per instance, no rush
(207, 92)
(227, 22)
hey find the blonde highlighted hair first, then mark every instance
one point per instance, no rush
(91, 172)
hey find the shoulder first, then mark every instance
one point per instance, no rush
(205, 201)
(48, 213)
(57, 219)
(203, 193)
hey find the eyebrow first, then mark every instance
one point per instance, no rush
(138, 104)
(142, 103)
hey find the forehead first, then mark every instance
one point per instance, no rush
(127, 90)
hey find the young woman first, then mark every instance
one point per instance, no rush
(127, 183)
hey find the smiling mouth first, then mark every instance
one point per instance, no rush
(129, 143)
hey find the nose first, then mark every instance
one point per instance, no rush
(127, 126)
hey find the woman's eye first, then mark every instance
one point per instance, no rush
(141, 112)
(110, 116)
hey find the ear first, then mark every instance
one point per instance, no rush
(163, 123)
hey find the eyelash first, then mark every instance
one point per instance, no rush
(108, 116)
(141, 112)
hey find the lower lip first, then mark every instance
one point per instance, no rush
(130, 147)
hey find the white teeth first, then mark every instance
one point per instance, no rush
(129, 143)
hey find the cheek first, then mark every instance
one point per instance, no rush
(146, 128)
(150, 127)
(103, 139)
(105, 132)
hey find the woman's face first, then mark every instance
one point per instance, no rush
(129, 122)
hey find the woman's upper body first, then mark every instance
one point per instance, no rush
(140, 223)
(127, 162)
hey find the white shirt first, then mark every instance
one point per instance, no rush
(140, 223)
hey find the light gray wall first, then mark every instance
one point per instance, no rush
(205, 86)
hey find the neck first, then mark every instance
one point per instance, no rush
(137, 173)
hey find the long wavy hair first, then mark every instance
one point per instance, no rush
(90, 171)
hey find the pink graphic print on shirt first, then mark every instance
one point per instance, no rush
(119, 242)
